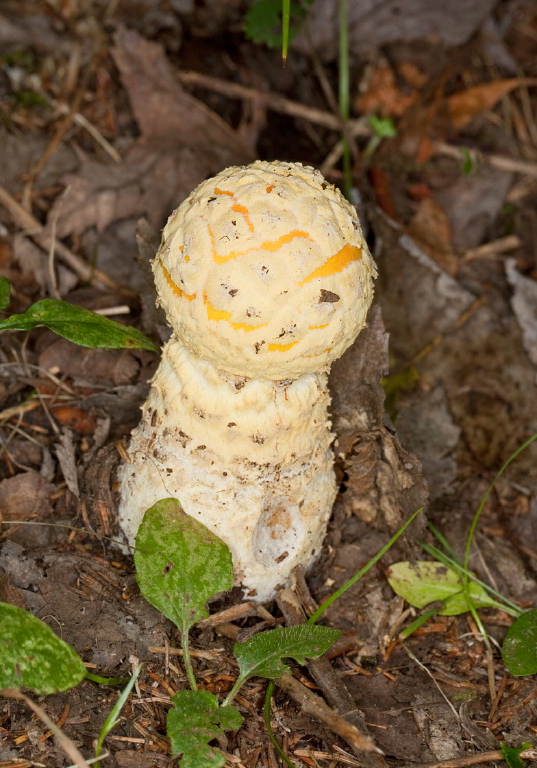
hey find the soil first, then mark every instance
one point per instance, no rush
(111, 114)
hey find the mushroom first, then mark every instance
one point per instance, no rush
(265, 279)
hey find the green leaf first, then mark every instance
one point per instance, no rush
(33, 656)
(180, 564)
(263, 654)
(83, 327)
(519, 650)
(511, 755)
(424, 582)
(5, 292)
(195, 720)
(383, 127)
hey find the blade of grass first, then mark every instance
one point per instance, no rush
(506, 605)
(443, 541)
(113, 718)
(344, 94)
(485, 498)
(417, 623)
(286, 23)
(337, 594)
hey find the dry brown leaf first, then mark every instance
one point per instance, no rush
(431, 229)
(383, 96)
(464, 106)
(164, 110)
(25, 496)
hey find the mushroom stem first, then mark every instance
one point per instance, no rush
(250, 458)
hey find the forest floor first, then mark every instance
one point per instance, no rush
(114, 111)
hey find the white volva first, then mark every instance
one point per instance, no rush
(265, 279)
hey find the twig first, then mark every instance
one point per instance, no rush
(38, 233)
(208, 655)
(240, 611)
(502, 162)
(482, 757)
(359, 127)
(494, 248)
(64, 741)
(313, 705)
(332, 686)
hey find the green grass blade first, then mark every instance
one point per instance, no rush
(337, 594)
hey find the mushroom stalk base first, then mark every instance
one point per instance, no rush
(249, 458)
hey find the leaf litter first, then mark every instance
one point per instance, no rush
(461, 360)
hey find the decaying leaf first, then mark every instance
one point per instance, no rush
(465, 105)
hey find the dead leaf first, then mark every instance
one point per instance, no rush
(383, 96)
(472, 204)
(524, 303)
(25, 496)
(74, 417)
(430, 228)
(92, 366)
(65, 451)
(379, 22)
(182, 143)
(164, 110)
(465, 105)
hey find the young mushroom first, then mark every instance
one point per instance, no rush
(265, 279)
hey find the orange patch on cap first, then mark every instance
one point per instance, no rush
(335, 263)
(175, 288)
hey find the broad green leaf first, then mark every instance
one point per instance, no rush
(33, 656)
(511, 755)
(195, 720)
(424, 582)
(519, 650)
(5, 292)
(83, 327)
(180, 563)
(263, 654)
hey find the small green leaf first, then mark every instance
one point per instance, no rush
(263, 654)
(180, 563)
(424, 582)
(519, 650)
(83, 327)
(5, 292)
(383, 127)
(33, 656)
(511, 755)
(195, 720)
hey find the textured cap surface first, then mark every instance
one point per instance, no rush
(263, 271)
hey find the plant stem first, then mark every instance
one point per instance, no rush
(186, 658)
(106, 680)
(266, 713)
(485, 498)
(322, 608)
(233, 692)
(344, 90)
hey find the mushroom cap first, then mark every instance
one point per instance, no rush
(263, 271)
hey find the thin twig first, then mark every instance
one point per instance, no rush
(482, 757)
(38, 233)
(274, 102)
(502, 162)
(64, 741)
